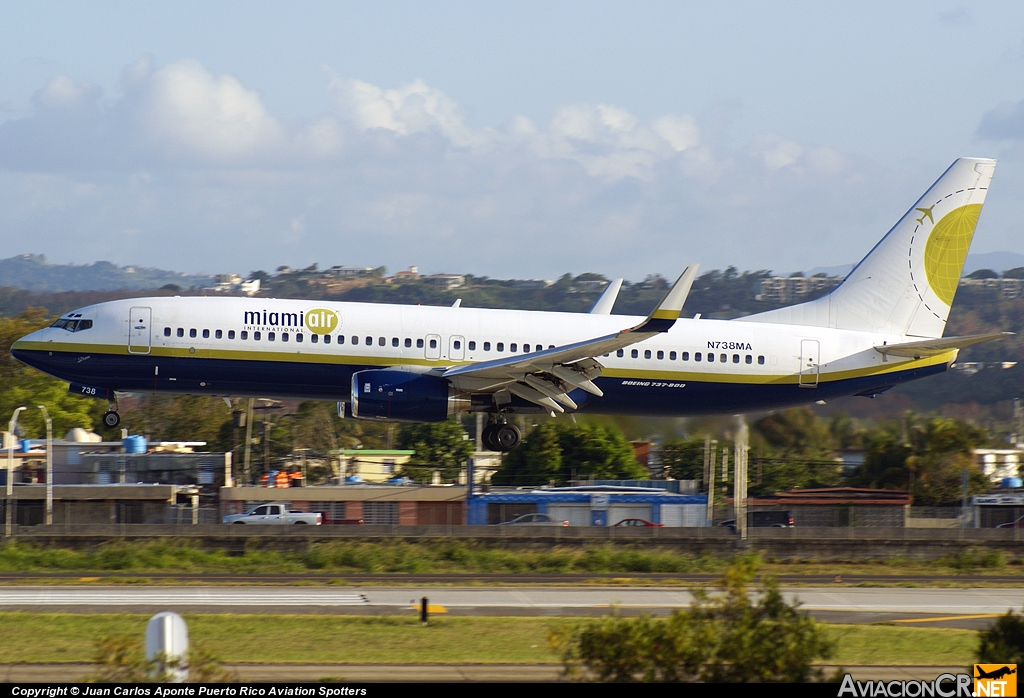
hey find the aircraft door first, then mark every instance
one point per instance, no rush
(809, 363)
(139, 321)
(433, 346)
(456, 348)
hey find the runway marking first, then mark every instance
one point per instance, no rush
(943, 618)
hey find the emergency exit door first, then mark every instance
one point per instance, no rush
(139, 339)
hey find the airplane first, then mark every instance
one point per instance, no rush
(883, 326)
(926, 213)
(994, 674)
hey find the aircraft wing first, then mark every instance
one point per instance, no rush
(546, 377)
(931, 347)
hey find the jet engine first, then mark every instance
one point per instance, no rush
(404, 396)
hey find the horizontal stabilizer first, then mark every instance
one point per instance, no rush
(931, 347)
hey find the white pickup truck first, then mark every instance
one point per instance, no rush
(274, 514)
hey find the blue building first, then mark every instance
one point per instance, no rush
(594, 505)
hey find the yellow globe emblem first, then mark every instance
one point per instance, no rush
(946, 250)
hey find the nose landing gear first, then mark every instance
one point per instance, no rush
(111, 418)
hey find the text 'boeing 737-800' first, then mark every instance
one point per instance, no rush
(881, 327)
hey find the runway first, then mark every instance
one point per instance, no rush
(948, 607)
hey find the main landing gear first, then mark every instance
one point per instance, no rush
(111, 418)
(500, 436)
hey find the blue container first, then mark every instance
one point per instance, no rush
(134, 444)
(24, 446)
(1012, 482)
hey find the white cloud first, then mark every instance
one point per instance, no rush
(209, 179)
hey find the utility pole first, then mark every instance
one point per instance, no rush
(49, 465)
(739, 493)
(711, 482)
(248, 442)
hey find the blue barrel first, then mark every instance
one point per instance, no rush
(134, 444)
(1012, 482)
(24, 446)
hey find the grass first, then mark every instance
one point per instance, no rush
(404, 557)
(67, 637)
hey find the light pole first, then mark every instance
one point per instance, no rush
(8, 504)
(49, 465)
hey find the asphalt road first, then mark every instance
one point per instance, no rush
(968, 608)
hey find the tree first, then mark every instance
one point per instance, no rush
(983, 274)
(439, 446)
(121, 660)
(1003, 641)
(683, 459)
(557, 452)
(727, 637)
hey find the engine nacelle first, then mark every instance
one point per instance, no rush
(403, 396)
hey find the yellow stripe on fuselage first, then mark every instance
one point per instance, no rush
(360, 360)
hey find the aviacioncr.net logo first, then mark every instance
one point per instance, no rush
(322, 321)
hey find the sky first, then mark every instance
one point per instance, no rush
(518, 140)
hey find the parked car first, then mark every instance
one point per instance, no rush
(638, 522)
(534, 520)
(1019, 523)
(763, 519)
(326, 520)
(275, 514)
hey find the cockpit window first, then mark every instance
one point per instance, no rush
(73, 325)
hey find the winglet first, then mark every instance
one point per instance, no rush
(667, 312)
(606, 302)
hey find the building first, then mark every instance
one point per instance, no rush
(1007, 288)
(370, 504)
(998, 463)
(447, 281)
(839, 506)
(370, 465)
(80, 505)
(781, 291)
(592, 505)
(208, 471)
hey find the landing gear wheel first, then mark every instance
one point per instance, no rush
(508, 437)
(111, 419)
(487, 437)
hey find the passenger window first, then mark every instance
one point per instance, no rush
(634, 353)
(167, 332)
(284, 336)
(487, 346)
(457, 344)
(697, 356)
(620, 353)
(526, 348)
(314, 338)
(394, 341)
(685, 356)
(551, 346)
(271, 336)
(244, 334)
(355, 340)
(408, 343)
(760, 360)
(192, 333)
(419, 343)
(206, 334)
(711, 357)
(433, 344)
(501, 346)
(327, 339)
(256, 336)
(723, 358)
(298, 337)
(647, 353)
(735, 358)
(513, 347)
(661, 355)
(181, 332)
(381, 341)
(671, 356)
(218, 334)
(750, 359)
(472, 345)
(231, 334)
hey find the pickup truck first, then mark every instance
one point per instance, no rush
(274, 514)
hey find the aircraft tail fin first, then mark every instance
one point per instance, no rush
(906, 284)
